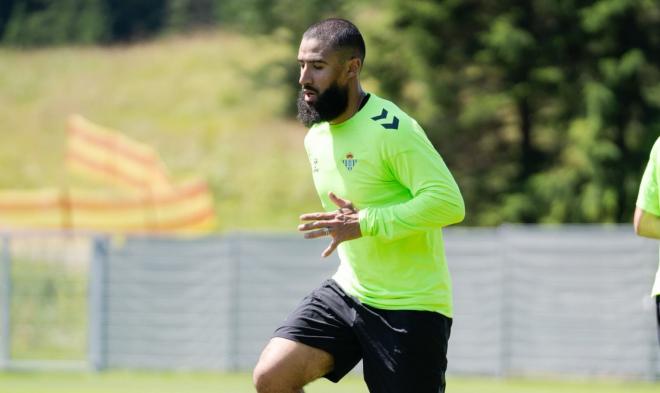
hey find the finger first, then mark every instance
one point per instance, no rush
(340, 202)
(317, 216)
(333, 245)
(316, 234)
(317, 225)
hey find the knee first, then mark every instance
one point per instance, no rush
(268, 380)
(264, 379)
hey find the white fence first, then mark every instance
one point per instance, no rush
(550, 301)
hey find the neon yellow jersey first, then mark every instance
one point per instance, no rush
(381, 160)
(649, 196)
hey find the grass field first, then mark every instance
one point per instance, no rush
(132, 382)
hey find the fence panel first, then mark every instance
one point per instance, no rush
(44, 306)
(168, 304)
(576, 300)
(478, 329)
(275, 273)
(551, 301)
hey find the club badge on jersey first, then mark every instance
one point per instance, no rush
(349, 162)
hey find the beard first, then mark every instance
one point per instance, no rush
(328, 105)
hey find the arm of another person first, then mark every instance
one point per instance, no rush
(647, 211)
(646, 224)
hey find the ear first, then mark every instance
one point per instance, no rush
(354, 65)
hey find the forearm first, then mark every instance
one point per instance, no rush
(429, 210)
(436, 199)
(646, 224)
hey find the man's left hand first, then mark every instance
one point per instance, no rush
(342, 224)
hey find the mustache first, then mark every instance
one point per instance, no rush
(310, 88)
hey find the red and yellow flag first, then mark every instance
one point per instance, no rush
(154, 205)
(184, 209)
(108, 156)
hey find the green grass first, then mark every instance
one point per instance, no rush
(143, 382)
(48, 310)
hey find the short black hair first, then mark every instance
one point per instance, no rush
(339, 34)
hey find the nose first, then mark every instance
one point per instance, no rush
(305, 76)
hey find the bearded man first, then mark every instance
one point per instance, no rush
(386, 195)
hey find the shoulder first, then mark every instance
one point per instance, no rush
(394, 122)
(655, 151)
(390, 125)
(385, 116)
(394, 130)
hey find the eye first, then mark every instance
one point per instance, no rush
(318, 67)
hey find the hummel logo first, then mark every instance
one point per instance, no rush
(394, 125)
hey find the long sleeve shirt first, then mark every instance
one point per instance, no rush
(381, 160)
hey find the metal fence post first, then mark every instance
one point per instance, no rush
(654, 360)
(506, 312)
(234, 326)
(96, 303)
(5, 306)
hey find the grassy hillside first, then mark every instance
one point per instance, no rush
(210, 103)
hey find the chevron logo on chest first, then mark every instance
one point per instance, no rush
(384, 122)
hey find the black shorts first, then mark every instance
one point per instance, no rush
(402, 351)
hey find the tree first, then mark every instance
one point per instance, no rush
(43, 22)
(544, 110)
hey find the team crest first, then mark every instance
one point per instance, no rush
(349, 162)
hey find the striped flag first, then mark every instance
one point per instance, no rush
(155, 204)
(185, 209)
(108, 156)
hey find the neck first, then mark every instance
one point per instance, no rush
(355, 97)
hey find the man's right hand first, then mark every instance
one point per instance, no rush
(342, 224)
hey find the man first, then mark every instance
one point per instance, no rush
(387, 194)
(647, 212)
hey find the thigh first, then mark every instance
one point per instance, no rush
(323, 321)
(405, 351)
